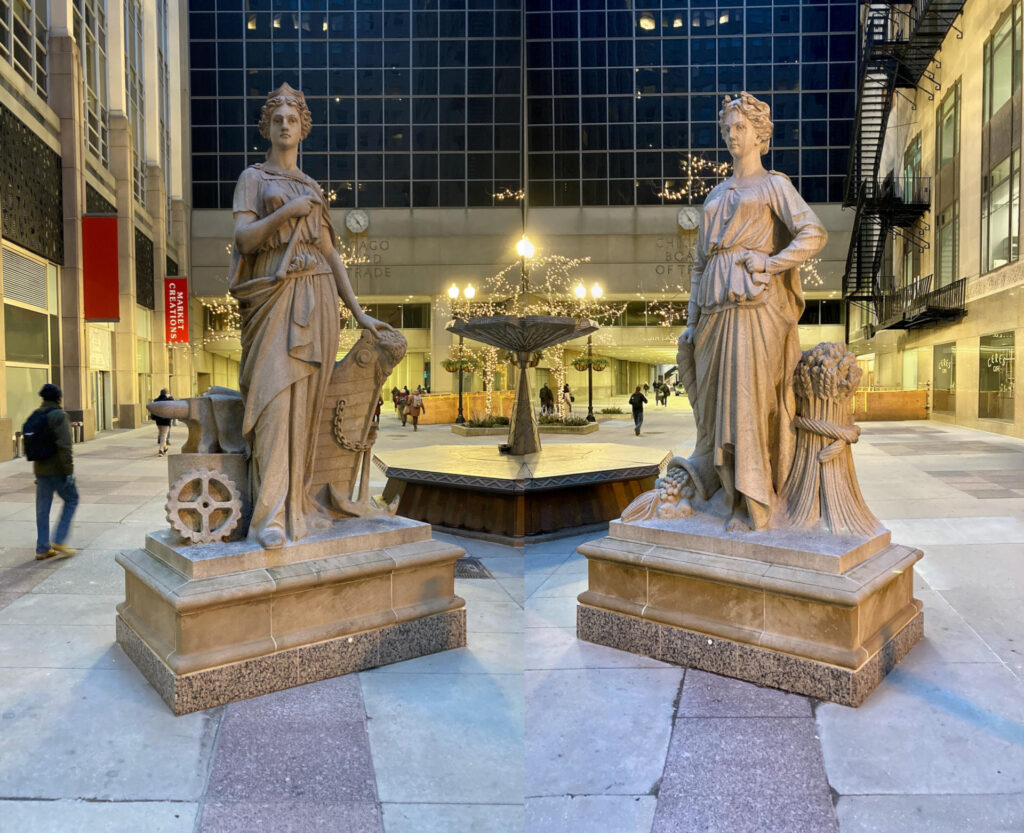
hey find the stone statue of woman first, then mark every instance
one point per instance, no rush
(287, 277)
(740, 347)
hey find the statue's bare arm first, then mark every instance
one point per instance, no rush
(345, 291)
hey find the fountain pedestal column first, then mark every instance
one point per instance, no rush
(523, 434)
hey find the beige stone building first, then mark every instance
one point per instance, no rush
(407, 260)
(91, 103)
(950, 318)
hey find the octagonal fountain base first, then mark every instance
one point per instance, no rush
(478, 491)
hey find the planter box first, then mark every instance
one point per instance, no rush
(889, 404)
(496, 431)
(589, 428)
(443, 408)
(502, 430)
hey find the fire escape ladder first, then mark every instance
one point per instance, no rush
(899, 45)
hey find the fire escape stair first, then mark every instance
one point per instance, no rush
(898, 47)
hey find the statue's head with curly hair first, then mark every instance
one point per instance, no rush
(285, 94)
(755, 111)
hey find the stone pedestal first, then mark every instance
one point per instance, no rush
(214, 623)
(824, 616)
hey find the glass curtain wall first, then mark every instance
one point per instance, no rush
(414, 102)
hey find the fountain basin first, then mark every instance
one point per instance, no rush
(522, 335)
(477, 491)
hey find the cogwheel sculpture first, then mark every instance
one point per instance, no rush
(204, 506)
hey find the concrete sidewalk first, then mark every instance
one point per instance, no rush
(526, 725)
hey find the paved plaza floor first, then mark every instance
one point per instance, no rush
(526, 727)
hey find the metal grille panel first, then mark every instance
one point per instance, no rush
(24, 280)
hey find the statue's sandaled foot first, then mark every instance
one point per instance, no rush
(737, 524)
(271, 538)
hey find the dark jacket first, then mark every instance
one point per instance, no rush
(60, 464)
(158, 419)
(638, 400)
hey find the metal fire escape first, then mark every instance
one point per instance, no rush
(898, 47)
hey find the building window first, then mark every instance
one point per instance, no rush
(133, 57)
(947, 132)
(23, 26)
(1002, 62)
(413, 106)
(90, 17)
(947, 246)
(1000, 213)
(821, 313)
(623, 100)
(944, 378)
(996, 360)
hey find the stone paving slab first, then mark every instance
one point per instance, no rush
(598, 731)
(931, 813)
(73, 816)
(445, 818)
(709, 695)
(943, 728)
(299, 758)
(310, 816)
(591, 813)
(98, 735)
(743, 775)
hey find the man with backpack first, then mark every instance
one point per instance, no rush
(47, 440)
(637, 402)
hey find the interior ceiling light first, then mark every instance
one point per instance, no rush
(677, 23)
(647, 22)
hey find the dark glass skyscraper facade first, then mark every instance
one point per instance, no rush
(419, 102)
(416, 102)
(621, 93)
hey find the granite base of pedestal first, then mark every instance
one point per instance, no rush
(832, 631)
(212, 624)
(515, 499)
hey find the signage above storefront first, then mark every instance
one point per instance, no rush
(176, 310)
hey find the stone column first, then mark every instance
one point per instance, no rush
(66, 99)
(126, 404)
(6, 427)
(157, 201)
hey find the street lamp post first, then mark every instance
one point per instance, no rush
(468, 293)
(525, 250)
(590, 380)
(460, 419)
(595, 292)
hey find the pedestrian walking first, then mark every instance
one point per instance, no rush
(402, 401)
(414, 408)
(567, 399)
(637, 402)
(376, 412)
(547, 399)
(47, 438)
(163, 426)
(394, 398)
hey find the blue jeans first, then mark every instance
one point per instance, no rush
(638, 419)
(46, 485)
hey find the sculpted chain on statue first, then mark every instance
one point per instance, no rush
(288, 277)
(739, 351)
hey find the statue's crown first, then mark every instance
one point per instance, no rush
(286, 90)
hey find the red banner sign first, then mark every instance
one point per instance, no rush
(99, 268)
(176, 310)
